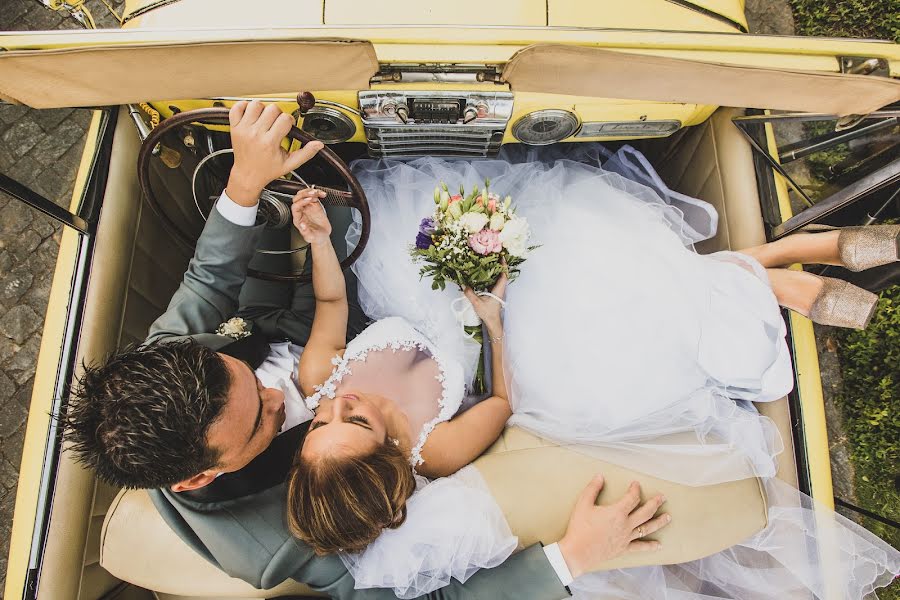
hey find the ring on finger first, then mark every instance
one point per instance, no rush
(640, 531)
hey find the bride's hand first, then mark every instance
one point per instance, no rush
(309, 216)
(487, 307)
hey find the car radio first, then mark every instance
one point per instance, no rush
(405, 123)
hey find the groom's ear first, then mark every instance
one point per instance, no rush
(197, 481)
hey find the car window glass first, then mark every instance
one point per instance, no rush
(824, 159)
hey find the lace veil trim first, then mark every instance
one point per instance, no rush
(397, 334)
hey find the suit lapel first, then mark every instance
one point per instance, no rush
(252, 349)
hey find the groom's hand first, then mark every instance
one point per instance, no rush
(598, 533)
(256, 135)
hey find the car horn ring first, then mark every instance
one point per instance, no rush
(354, 198)
(273, 207)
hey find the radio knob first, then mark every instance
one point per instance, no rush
(402, 112)
(470, 114)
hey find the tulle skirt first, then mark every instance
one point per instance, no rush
(621, 337)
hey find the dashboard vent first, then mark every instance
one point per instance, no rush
(434, 140)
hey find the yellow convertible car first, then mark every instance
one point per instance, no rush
(706, 102)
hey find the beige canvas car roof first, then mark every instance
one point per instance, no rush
(98, 74)
(120, 74)
(581, 71)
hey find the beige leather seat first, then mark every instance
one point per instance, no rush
(535, 482)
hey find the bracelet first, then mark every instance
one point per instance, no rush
(496, 340)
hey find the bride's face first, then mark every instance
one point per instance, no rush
(351, 424)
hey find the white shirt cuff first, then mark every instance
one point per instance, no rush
(554, 555)
(234, 212)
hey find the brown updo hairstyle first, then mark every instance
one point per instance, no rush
(343, 503)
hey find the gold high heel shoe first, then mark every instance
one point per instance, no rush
(862, 248)
(842, 304)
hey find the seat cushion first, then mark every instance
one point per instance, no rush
(139, 547)
(535, 482)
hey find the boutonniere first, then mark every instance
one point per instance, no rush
(236, 328)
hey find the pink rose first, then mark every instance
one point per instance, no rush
(485, 242)
(454, 198)
(492, 205)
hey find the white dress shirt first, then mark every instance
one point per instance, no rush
(279, 370)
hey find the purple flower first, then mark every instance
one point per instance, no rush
(426, 227)
(423, 241)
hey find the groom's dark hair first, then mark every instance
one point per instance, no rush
(141, 419)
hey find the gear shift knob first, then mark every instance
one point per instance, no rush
(305, 100)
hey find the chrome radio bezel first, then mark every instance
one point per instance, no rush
(381, 108)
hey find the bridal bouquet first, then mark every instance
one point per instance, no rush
(467, 241)
(469, 237)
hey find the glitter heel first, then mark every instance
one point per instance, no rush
(862, 248)
(842, 304)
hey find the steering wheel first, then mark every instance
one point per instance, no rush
(353, 197)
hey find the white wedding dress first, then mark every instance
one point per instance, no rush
(617, 335)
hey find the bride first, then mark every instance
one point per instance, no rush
(615, 335)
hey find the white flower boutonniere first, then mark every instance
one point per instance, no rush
(236, 328)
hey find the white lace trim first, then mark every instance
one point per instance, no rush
(405, 337)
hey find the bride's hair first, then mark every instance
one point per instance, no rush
(343, 503)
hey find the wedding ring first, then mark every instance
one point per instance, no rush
(640, 531)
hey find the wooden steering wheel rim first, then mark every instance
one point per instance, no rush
(219, 116)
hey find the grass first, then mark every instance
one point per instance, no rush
(869, 361)
(869, 364)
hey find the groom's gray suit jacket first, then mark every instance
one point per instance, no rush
(238, 522)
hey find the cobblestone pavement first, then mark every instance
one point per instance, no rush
(41, 149)
(769, 17)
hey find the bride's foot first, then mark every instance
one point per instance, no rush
(854, 248)
(820, 248)
(823, 300)
(862, 248)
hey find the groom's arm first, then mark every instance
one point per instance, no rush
(526, 575)
(208, 294)
(595, 534)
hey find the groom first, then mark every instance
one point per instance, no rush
(209, 419)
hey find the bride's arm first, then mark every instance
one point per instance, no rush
(456, 443)
(328, 335)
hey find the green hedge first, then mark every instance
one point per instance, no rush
(870, 361)
(876, 19)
